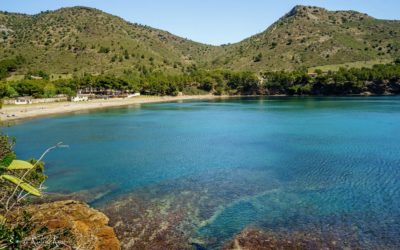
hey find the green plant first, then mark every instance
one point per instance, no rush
(20, 179)
(25, 179)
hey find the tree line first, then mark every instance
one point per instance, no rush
(380, 79)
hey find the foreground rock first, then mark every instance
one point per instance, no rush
(88, 227)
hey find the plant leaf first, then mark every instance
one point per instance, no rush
(18, 165)
(20, 183)
(2, 219)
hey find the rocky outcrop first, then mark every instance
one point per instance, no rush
(88, 227)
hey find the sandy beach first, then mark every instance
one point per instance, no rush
(21, 112)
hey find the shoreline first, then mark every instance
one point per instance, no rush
(15, 113)
(10, 114)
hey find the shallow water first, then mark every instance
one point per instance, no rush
(326, 164)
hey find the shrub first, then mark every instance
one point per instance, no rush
(258, 57)
(104, 50)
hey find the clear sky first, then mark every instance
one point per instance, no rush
(208, 21)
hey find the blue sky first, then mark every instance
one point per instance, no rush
(207, 21)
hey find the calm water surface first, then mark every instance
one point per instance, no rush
(305, 163)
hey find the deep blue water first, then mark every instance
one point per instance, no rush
(317, 162)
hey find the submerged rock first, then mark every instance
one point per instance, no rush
(89, 196)
(256, 239)
(168, 215)
(88, 227)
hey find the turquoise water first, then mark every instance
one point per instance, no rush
(325, 164)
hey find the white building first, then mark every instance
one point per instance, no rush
(23, 100)
(133, 95)
(80, 98)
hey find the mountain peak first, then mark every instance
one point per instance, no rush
(77, 10)
(301, 10)
(323, 15)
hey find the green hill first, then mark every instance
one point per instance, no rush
(312, 36)
(84, 40)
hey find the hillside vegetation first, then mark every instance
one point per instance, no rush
(78, 40)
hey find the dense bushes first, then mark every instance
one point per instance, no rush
(35, 88)
(9, 65)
